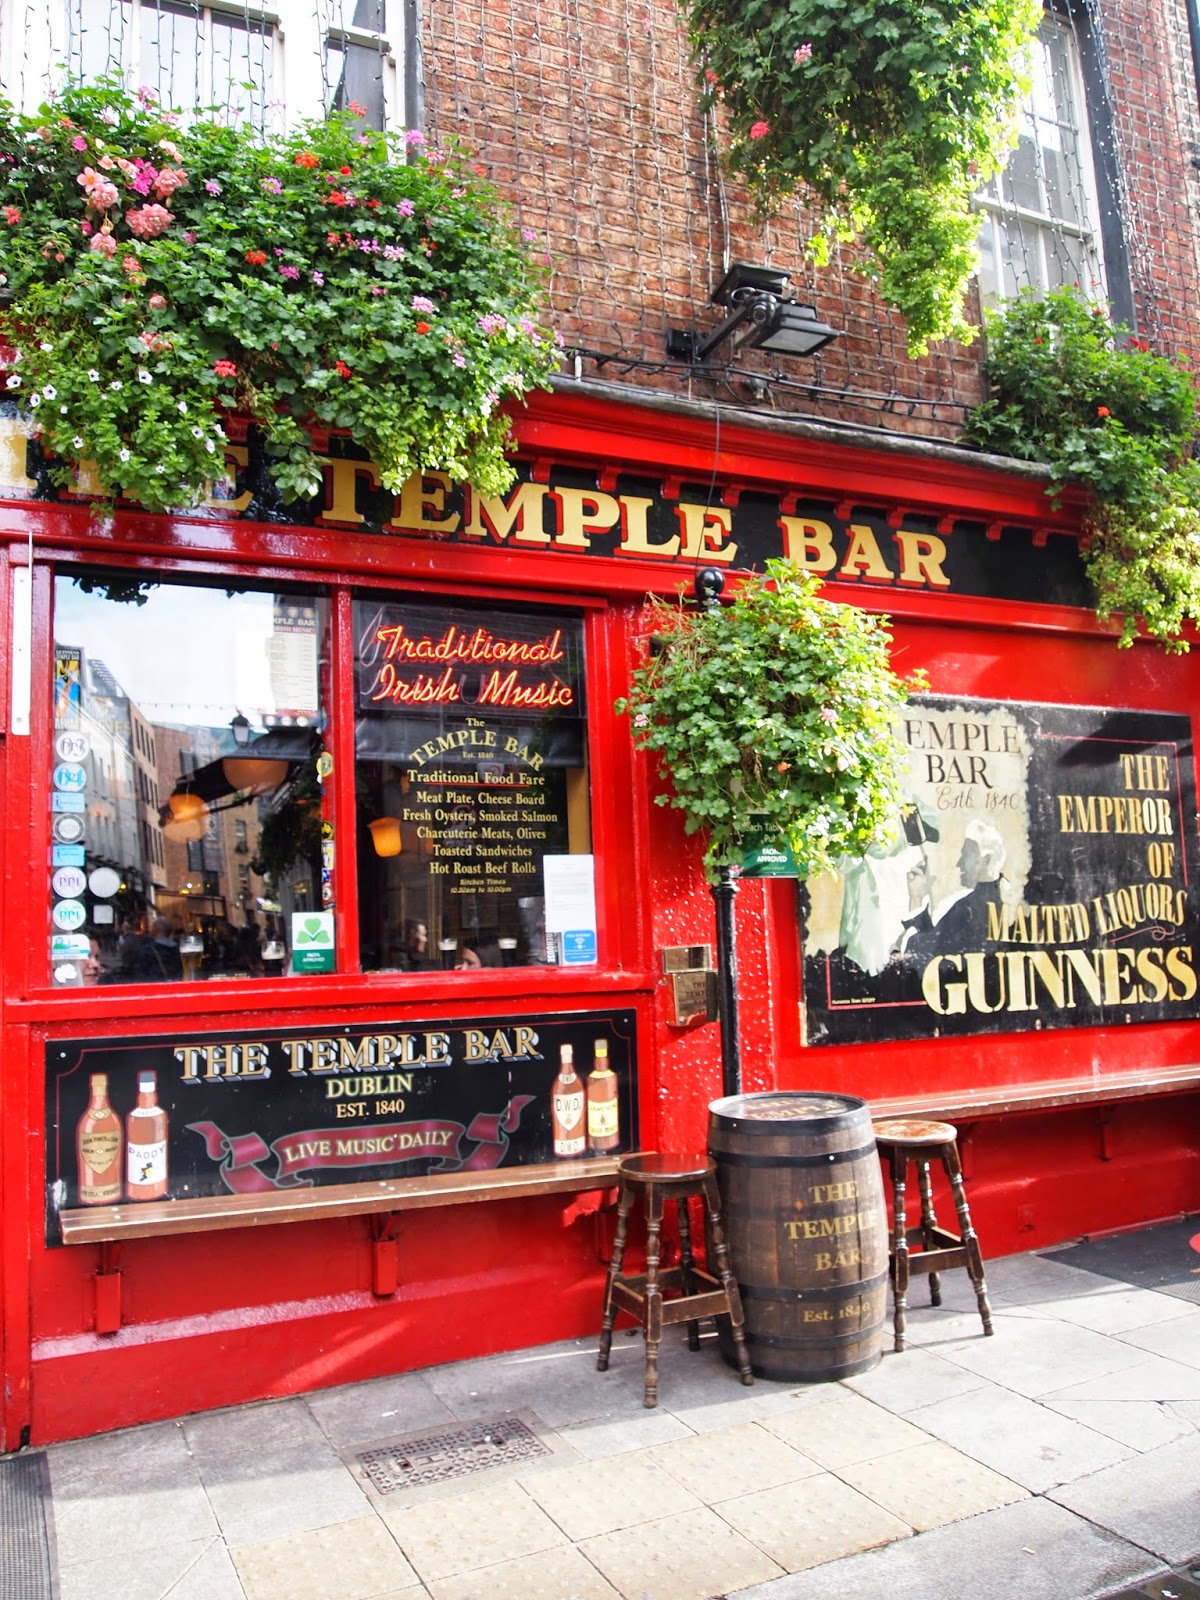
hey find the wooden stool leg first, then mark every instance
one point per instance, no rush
(624, 1206)
(653, 1312)
(737, 1320)
(687, 1264)
(928, 1227)
(899, 1165)
(974, 1258)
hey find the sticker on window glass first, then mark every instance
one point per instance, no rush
(70, 777)
(71, 746)
(68, 882)
(69, 914)
(579, 947)
(312, 941)
(104, 882)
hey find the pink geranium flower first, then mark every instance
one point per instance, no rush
(149, 221)
(168, 180)
(759, 130)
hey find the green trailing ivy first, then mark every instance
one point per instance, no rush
(773, 716)
(889, 113)
(1070, 388)
(157, 272)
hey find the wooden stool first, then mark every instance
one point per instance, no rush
(659, 1178)
(937, 1250)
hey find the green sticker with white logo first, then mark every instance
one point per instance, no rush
(312, 941)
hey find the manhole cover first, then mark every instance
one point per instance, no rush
(452, 1453)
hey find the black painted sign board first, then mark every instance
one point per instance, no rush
(1044, 876)
(256, 1112)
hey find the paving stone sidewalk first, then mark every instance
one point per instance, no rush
(1058, 1460)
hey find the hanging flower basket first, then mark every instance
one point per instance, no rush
(1068, 387)
(773, 720)
(886, 114)
(160, 273)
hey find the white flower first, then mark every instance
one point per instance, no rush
(124, 455)
(198, 433)
(160, 467)
(144, 376)
(47, 348)
(115, 384)
(93, 375)
(50, 392)
(13, 381)
(63, 410)
(78, 443)
(182, 404)
(209, 446)
(35, 399)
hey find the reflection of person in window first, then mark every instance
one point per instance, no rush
(960, 922)
(415, 954)
(159, 959)
(475, 955)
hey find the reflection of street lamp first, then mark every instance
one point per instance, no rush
(385, 836)
(188, 818)
(257, 775)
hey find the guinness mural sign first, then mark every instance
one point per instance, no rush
(1044, 877)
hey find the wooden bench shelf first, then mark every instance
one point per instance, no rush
(1047, 1094)
(107, 1224)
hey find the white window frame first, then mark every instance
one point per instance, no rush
(31, 59)
(1044, 225)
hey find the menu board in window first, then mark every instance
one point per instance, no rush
(471, 773)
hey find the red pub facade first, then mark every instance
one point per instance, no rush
(343, 946)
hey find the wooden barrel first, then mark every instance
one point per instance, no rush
(807, 1228)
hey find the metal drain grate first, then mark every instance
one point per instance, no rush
(26, 1572)
(453, 1453)
(1165, 1257)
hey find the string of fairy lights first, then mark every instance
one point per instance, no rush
(587, 116)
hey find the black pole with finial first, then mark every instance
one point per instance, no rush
(708, 586)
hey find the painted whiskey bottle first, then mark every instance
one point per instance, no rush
(603, 1109)
(98, 1147)
(567, 1119)
(146, 1143)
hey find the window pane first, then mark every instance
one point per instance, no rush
(169, 55)
(1019, 181)
(471, 773)
(96, 31)
(1042, 230)
(186, 731)
(241, 67)
(355, 75)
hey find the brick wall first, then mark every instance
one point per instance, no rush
(584, 112)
